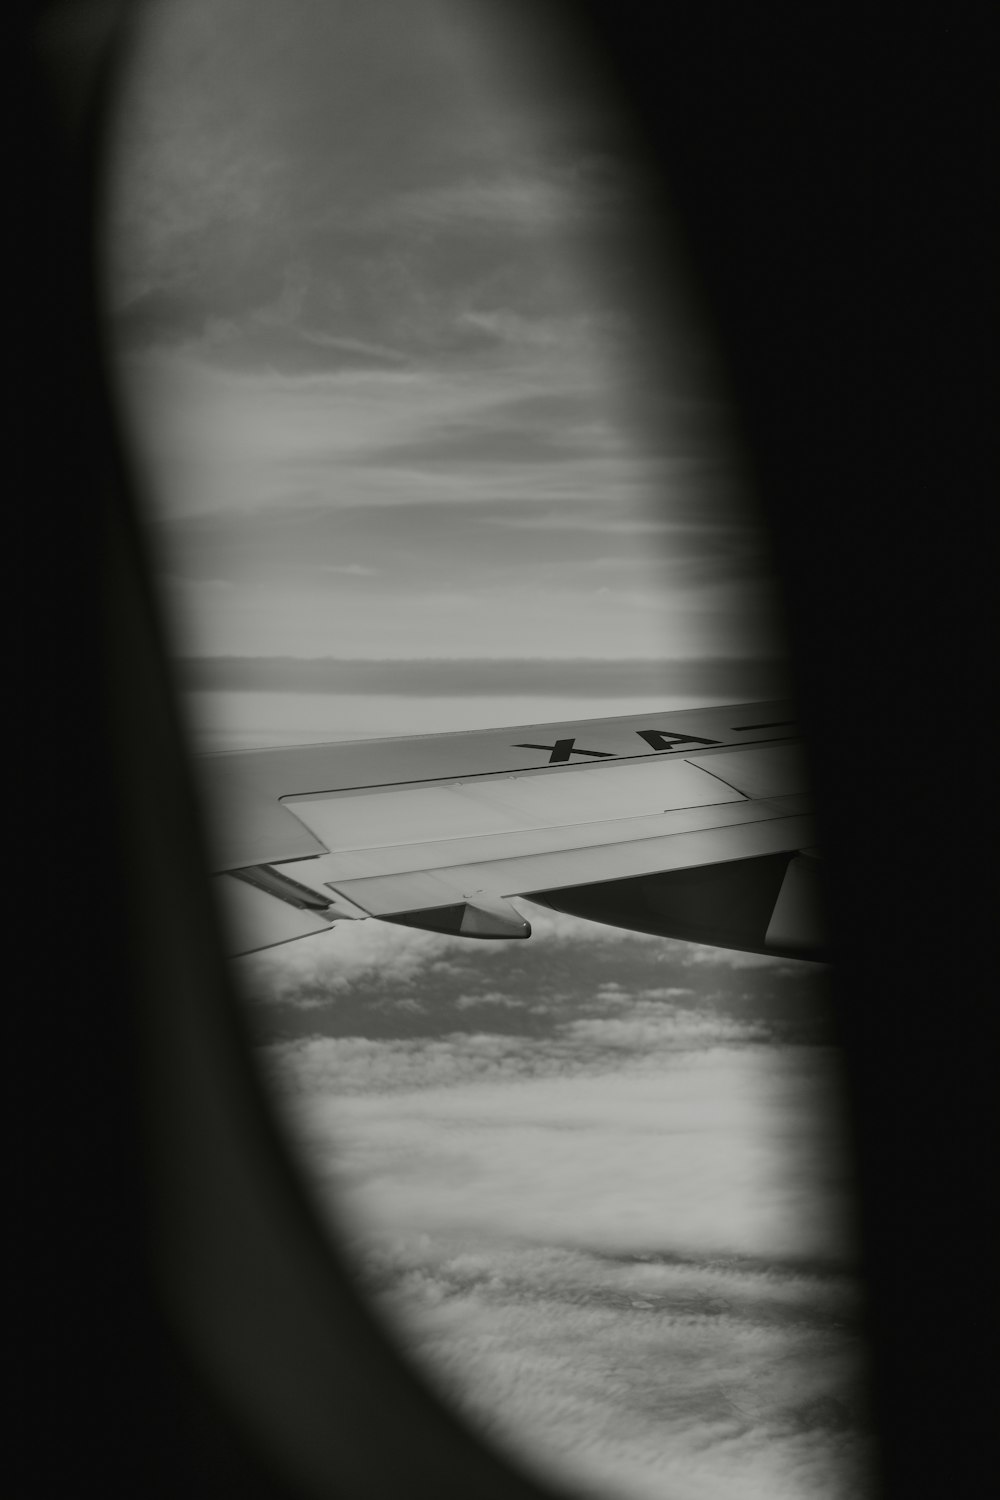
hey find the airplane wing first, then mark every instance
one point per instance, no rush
(693, 824)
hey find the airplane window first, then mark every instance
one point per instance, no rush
(434, 436)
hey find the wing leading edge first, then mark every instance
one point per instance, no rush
(694, 824)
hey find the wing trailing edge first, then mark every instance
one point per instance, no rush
(688, 824)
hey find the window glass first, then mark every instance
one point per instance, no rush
(432, 434)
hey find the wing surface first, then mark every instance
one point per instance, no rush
(612, 818)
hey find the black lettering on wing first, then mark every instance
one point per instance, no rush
(668, 739)
(563, 749)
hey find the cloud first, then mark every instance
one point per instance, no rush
(515, 204)
(648, 1027)
(700, 1151)
(424, 475)
(615, 1235)
(377, 951)
(636, 1379)
(231, 720)
(336, 309)
(384, 380)
(608, 525)
(624, 1402)
(571, 537)
(359, 1067)
(704, 953)
(491, 997)
(627, 1279)
(581, 988)
(383, 954)
(327, 310)
(485, 676)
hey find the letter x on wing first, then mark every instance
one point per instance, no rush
(563, 749)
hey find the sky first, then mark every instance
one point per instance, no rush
(595, 1185)
(411, 361)
(432, 432)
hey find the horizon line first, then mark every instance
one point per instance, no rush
(569, 676)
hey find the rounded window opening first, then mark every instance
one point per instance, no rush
(434, 439)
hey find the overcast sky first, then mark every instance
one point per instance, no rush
(406, 350)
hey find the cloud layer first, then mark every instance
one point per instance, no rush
(406, 363)
(595, 1185)
(639, 1378)
(732, 681)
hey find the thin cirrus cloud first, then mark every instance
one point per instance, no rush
(522, 204)
(372, 296)
(237, 702)
(485, 676)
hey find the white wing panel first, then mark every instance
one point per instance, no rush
(425, 814)
(357, 864)
(592, 794)
(250, 824)
(499, 878)
(770, 771)
(408, 815)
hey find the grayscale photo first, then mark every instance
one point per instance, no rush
(481, 656)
